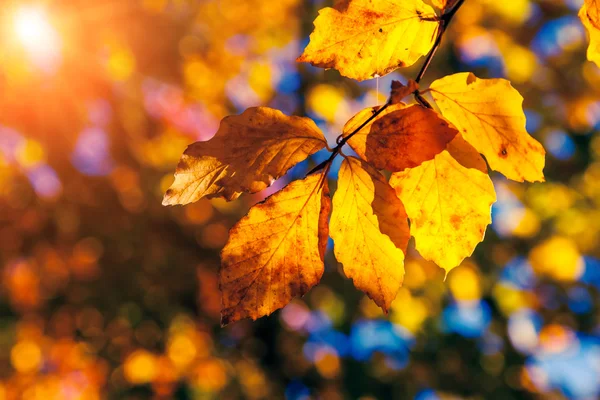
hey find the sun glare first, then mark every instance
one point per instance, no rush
(38, 37)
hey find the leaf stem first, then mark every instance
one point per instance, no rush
(342, 140)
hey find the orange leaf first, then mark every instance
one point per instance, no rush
(370, 229)
(489, 114)
(448, 203)
(363, 39)
(400, 137)
(248, 152)
(276, 251)
(400, 91)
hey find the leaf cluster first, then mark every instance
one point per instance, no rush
(439, 177)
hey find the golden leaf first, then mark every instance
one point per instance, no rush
(448, 203)
(276, 251)
(590, 17)
(248, 152)
(400, 137)
(363, 39)
(489, 114)
(369, 227)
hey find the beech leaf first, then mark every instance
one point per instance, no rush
(448, 203)
(489, 115)
(276, 251)
(400, 91)
(369, 228)
(363, 39)
(400, 137)
(248, 153)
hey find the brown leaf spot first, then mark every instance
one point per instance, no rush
(471, 78)
(370, 15)
(456, 221)
(183, 164)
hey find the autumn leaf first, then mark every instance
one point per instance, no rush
(489, 114)
(370, 230)
(248, 152)
(363, 39)
(400, 137)
(590, 17)
(448, 203)
(400, 91)
(276, 251)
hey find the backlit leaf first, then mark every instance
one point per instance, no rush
(400, 91)
(276, 251)
(590, 16)
(367, 38)
(369, 227)
(400, 137)
(248, 152)
(448, 203)
(489, 114)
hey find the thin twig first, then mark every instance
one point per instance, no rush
(444, 22)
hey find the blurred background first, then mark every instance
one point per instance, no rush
(105, 294)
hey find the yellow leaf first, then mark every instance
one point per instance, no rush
(367, 38)
(248, 153)
(489, 114)
(448, 204)
(370, 229)
(590, 16)
(400, 137)
(276, 251)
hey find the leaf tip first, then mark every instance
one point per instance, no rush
(168, 198)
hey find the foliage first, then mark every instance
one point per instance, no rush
(448, 205)
(367, 38)
(106, 294)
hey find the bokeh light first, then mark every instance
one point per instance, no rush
(34, 31)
